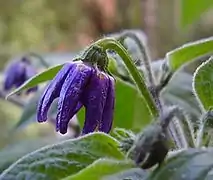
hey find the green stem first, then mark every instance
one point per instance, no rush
(171, 124)
(200, 132)
(146, 59)
(110, 43)
(204, 120)
(147, 65)
(186, 128)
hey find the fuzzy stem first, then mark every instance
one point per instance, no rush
(147, 65)
(186, 126)
(146, 59)
(164, 77)
(180, 132)
(207, 116)
(173, 135)
(110, 43)
(176, 129)
(163, 82)
(200, 131)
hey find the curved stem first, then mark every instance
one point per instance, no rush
(164, 80)
(110, 43)
(147, 65)
(170, 123)
(145, 56)
(187, 129)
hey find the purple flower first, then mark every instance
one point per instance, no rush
(80, 84)
(17, 73)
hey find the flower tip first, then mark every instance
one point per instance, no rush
(41, 120)
(63, 131)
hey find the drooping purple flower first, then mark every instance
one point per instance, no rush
(80, 84)
(17, 72)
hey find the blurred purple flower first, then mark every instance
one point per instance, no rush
(17, 72)
(80, 84)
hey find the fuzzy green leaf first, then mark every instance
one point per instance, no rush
(100, 169)
(203, 84)
(189, 52)
(63, 159)
(192, 164)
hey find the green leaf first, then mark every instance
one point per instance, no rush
(179, 92)
(129, 108)
(13, 152)
(100, 169)
(203, 84)
(191, 10)
(192, 164)
(39, 78)
(189, 52)
(64, 159)
(29, 112)
(130, 174)
(121, 134)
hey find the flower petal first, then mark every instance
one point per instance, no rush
(30, 72)
(77, 108)
(70, 94)
(107, 118)
(13, 73)
(52, 92)
(94, 100)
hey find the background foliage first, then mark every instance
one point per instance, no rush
(58, 31)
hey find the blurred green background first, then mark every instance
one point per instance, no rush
(53, 27)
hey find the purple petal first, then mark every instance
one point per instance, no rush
(20, 73)
(77, 108)
(20, 79)
(70, 94)
(30, 72)
(14, 74)
(106, 123)
(94, 100)
(52, 92)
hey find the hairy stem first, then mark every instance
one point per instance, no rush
(200, 132)
(170, 119)
(145, 56)
(164, 80)
(186, 126)
(174, 136)
(179, 133)
(110, 43)
(205, 118)
(147, 65)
